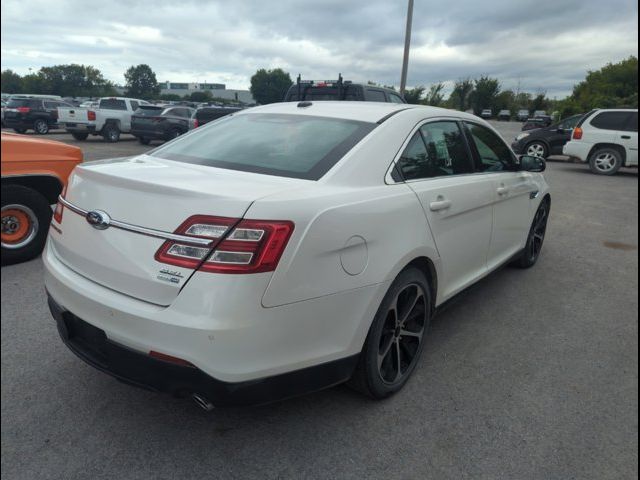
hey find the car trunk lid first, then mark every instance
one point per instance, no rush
(150, 194)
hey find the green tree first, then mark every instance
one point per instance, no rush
(414, 95)
(33, 83)
(459, 97)
(434, 96)
(614, 85)
(74, 80)
(484, 94)
(506, 101)
(270, 86)
(141, 82)
(170, 97)
(11, 82)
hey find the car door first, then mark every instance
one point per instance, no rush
(513, 191)
(629, 138)
(560, 134)
(437, 165)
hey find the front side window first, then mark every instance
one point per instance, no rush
(376, 96)
(494, 155)
(296, 146)
(395, 98)
(437, 149)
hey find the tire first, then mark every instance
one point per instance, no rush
(40, 126)
(111, 133)
(25, 222)
(20, 130)
(144, 140)
(605, 161)
(80, 136)
(535, 239)
(537, 149)
(376, 374)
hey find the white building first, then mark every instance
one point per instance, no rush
(217, 90)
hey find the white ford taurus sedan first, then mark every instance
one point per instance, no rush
(286, 248)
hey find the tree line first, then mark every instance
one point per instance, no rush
(614, 85)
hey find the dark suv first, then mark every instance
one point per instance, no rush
(208, 114)
(37, 114)
(154, 122)
(546, 141)
(316, 90)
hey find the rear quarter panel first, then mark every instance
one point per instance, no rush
(355, 237)
(22, 155)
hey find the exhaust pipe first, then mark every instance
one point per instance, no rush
(202, 402)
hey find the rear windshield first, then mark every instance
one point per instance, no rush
(148, 111)
(24, 102)
(113, 104)
(296, 146)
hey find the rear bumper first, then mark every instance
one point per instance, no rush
(577, 149)
(92, 345)
(150, 134)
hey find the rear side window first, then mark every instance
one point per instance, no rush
(24, 102)
(569, 123)
(134, 105)
(296, 146)
(393, 98)
(438, 149)
(632, 124)
(493, 153)
(611, 120)
(113, 104)
(376, 96)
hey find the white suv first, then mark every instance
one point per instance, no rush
(607, 140)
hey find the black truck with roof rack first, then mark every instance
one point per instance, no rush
(318, 90)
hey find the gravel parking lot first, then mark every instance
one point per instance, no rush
(528, 375)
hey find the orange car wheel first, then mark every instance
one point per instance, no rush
(24, 223)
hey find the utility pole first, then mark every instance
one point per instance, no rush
(407, 41)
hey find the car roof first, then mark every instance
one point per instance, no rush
(372, 112)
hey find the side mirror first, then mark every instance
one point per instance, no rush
(530, 163)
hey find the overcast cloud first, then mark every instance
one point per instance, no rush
(538, 44)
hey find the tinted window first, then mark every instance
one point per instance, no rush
(375, 96)
(24, 102)
(494, 154)
(611, 120)
(395, 98)
(632, 125)
(297, 146)
(50, 105)
(113, 104)
(134, 105)
(438, 149)
(208, 114)
(569, 123)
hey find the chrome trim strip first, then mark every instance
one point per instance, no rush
(149, 232)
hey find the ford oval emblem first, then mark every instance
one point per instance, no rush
(98, 219)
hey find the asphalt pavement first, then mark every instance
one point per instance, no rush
(528, 375)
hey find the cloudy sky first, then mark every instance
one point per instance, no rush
(538, 44)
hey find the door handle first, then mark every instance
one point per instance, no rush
(440, 204)
(502, 190)
(626, 137)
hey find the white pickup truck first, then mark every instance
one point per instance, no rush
(110, 119)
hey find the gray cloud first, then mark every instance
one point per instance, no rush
(541, 44)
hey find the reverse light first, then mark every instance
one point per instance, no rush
(251, 246)
(57, 213)
(577, 133)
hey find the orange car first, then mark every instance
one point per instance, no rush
(34, 172)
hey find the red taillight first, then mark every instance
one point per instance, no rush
(24, 109)
(57, 213)
(168, 358)
(577, 133)
(91, 115)
(251, 246)
(196, 123)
